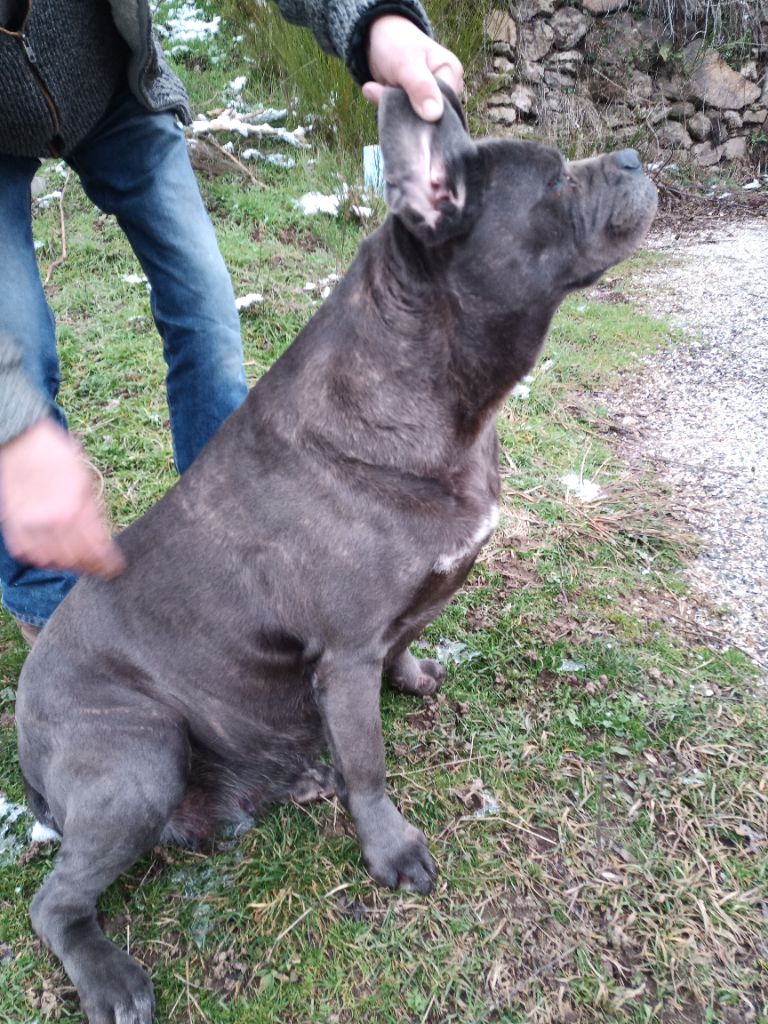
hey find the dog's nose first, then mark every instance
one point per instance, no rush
(628, 160)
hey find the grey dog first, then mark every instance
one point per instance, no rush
(329, 520)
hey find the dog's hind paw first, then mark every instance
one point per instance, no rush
(316, 783)
(418, 677)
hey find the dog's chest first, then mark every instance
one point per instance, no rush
(450, 560)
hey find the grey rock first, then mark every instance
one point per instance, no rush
(639, 89)
(527, 131)
(503, 50)
(498, 84)
(570, 26)
(693, 53)
(531, 71)
(566, 60)
(499, 99)
(719, 128)
(628, 135)
(618, 114)
(736, 148)
(674, 136)
(536, 39)
(502, 115)
(523, 99)
(681, 111)
(527, 10)
(656, 114)
(623, 41)
(559, 79)
(501, 28)
(699, 127)
(503, 66)
(652, 32)
(749, 70)
(755, 115)
(714, 83)
(733, 120)
(603, 6)
(673, 87)
(705, 154)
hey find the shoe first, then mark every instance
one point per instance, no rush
(28, 631)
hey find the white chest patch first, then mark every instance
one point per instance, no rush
(451, 560)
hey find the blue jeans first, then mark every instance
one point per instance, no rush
(133, 165)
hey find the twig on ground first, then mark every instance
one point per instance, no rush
(233, 159)
(60, 259)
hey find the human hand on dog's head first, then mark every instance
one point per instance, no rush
(400, 54)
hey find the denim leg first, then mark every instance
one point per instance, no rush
(28, 594)
(135, 166)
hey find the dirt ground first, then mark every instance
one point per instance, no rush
(698, 411)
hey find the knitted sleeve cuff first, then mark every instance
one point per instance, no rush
(355, 50)
(21, 405)
(341, 26)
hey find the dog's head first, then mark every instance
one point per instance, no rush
(525, 219)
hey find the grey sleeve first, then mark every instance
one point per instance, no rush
(21, 405)
(340, 26)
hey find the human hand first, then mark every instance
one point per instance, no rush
(401, 54)
(50, 515)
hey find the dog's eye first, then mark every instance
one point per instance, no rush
(557, 180)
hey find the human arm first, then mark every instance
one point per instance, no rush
(382, 42)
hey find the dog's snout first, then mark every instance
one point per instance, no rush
(627, 160)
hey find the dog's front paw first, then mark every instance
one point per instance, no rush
(396, 855)
(119, 991)
(409, 867)
(419, 677)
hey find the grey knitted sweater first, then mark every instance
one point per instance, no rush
(60, 64)
(61, 61)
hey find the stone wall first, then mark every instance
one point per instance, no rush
(593, 73)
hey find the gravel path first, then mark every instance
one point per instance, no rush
(699, 412)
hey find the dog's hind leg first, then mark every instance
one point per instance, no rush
(418, 676)
(110, 813)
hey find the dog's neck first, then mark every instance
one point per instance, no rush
(483, 346)
(401, 366)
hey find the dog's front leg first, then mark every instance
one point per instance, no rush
(395, 852)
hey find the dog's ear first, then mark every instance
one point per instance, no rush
(425, 165)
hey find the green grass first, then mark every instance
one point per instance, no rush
(620, 872)
(289, 62)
